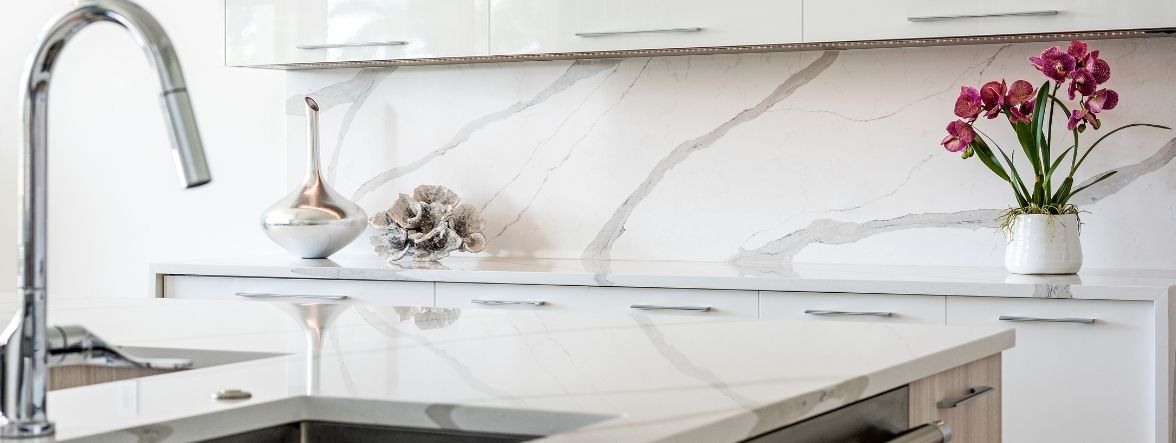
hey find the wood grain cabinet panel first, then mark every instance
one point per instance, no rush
(966, 398)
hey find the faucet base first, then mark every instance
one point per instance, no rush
(26, 430)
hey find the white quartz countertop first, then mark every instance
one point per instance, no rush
(577, 377)
(1109, 284)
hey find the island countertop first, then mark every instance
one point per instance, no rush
(573, 376)
(1099, 284)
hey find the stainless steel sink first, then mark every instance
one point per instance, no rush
(318, 431)
(62, 377)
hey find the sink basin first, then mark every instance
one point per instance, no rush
(317, 431)
(62, 377)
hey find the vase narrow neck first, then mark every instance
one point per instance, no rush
(313, 165)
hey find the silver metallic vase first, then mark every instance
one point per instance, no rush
(314, 221)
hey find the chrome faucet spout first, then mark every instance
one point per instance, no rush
(23, 378)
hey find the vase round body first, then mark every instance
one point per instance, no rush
(313, 221)
(1044, 244)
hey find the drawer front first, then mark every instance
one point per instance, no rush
(1073, 382)
(517, 297)
(261, 32)
(967, 398)
(927, 309)
(826, 20)
(699, 302)
(394, 293)
(539, 26)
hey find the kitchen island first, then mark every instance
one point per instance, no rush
(563, 376)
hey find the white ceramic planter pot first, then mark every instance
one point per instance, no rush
(1042, 244)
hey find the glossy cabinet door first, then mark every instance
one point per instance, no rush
(297, 290)
(828, 20)
(268, 32)
(881, 308)
(546, 26)
(1070, 381)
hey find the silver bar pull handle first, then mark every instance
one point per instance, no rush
(670, 308)
(1020, 318)
(940, 18)
(478, 301)
(267, 295)
(351, 45)
(828, 313)
(640, 31)
(955, 402)
(937, 432)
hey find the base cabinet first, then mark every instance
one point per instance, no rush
(967, 398)
(1069, 380)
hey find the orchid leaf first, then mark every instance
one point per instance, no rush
(1015, 176)
(1092, 183)
(1058, 162)
(1041, 151)
(1063, 194)
(1108, 134)
(985, 155)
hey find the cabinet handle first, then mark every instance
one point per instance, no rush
(671, 308)
(1018, 318)
(641, 31)
(351, 45)
(940, 18)
(826, 313)
(973, 393)
(478, 301)
(299, 296)
(935, 432)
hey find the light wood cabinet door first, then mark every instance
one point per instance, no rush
(832, 20)
(883, 308)
(543, 26)
(1067, 380)
(966, 398)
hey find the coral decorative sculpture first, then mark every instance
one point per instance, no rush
(427, 226)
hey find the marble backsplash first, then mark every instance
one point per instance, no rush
(806, 156)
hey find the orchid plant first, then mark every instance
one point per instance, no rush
(1030, 112)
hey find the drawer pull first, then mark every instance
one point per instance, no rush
(1018, 318)
(827, 313)
(973, 393)
(937, 432)
(940, 18)
(351, 45)
(671, 308)
(478, 301)
(296, 296)
(642, 31)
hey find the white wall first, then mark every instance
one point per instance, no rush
(116, 204)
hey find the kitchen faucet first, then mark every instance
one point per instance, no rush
(24, 360)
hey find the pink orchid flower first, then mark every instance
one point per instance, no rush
(1020, 92)
(1055, 64)
(1082, 81)
(1020, 113)
(1099, 68)
(1102, 100)
(992, 97)
(1078, 49)
(960, 135)
(968, 105)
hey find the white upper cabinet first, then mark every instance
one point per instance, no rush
(304, 32)
(547, 26)
(266, 32)
(848, 20)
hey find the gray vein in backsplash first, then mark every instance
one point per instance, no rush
(568, 154)
(558, 128)
(577, 71)
(601, 246)
(834, 232)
